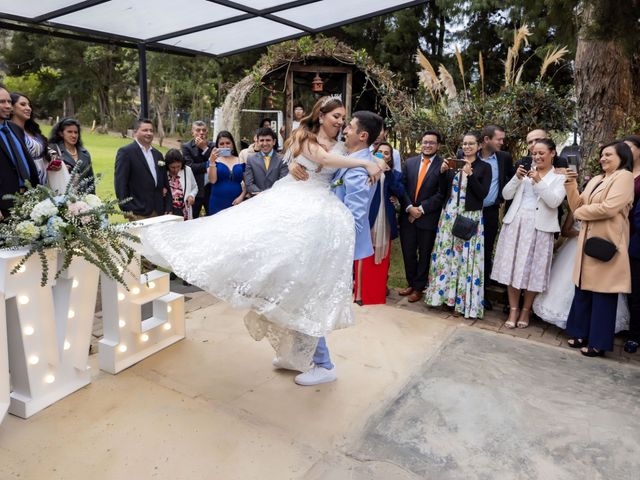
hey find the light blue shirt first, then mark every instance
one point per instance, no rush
(492, 196)
(356, 193)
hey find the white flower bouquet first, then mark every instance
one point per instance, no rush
(74, 222)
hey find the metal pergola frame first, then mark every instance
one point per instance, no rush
(45, 24)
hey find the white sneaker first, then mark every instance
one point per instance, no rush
(316, 376)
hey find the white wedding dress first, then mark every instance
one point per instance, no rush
(554, 304)
(286, 255)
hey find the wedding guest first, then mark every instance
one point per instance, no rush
(456, 278)
(553, 305)
(631, 346)
(382, 138)
(196, 156)
(35, 141)
(140, 176)
(373, 271)
(225, 174)
(183, 187)
(525, 243)
(265, 167)
(65, 138)
(501, 163)
(16, 165)
(603, 207)
(425, 192)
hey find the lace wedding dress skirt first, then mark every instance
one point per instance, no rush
(285, 254)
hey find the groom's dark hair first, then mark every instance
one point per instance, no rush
(370, 123)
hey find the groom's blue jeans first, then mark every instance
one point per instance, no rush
(321, 356)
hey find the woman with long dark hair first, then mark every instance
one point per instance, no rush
(226, 173)
(23, 116)
(65, 141)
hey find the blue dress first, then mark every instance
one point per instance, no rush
(227, 188)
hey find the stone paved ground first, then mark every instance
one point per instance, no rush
(537, 331)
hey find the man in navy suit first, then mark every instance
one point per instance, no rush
(16, 165)
(141, 176)
(501, 165)
(425, 192)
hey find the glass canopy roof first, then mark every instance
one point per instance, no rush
(209, 27)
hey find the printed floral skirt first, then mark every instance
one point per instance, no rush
(456, 276)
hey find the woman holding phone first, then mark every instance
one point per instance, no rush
(456, 277)
(525, 244)
(226, 173)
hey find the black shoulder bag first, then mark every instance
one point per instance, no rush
(464, 228)
(598, 247)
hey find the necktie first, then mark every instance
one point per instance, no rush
(421, 174)
(267, 158)
(17, 157)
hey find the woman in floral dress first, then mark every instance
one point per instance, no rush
(457, 265)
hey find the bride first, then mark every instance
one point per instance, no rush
(286, 254)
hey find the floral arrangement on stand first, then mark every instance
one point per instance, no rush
(74, 222)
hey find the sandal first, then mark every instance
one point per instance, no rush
(521, 323)
(592, 352)
(576, 342)
(510, 323)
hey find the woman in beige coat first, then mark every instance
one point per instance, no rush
(603, 207)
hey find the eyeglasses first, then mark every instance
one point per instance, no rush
(470, 144)
(429, 142)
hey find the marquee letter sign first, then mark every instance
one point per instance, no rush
(127, 337)
(48, 330)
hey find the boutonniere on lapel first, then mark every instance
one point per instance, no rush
(338, 182)
(161, 163)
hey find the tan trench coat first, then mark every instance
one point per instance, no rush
(604, 211)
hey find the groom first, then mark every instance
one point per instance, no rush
(353, 189)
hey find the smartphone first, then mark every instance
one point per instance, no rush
(460, 164)
(451, 163)
(224, 152)
(526, 163)
(572, 161)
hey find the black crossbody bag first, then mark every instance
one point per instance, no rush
(464, 228)
(597, 247)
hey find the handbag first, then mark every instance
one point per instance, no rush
(600, 249)
(464, 228)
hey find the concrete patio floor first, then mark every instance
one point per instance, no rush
(213, 407)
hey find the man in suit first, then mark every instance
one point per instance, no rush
(532, 137)
(501, 165)
(425, 192)
(351, 186)
(264, 168)
(196, 155)
(16, 165)
(140, 175)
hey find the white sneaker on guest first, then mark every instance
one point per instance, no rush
(316, 376)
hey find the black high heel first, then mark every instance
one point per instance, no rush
(592, 352)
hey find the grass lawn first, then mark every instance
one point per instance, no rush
(103, 150)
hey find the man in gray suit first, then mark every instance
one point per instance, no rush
(264, 168)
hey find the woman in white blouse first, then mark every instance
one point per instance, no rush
(525, 245)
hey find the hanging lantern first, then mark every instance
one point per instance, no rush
(317, 85)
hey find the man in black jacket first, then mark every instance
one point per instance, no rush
(141, 175)
(426, 190)
(16, 165)
(501, 165)
(196, 155)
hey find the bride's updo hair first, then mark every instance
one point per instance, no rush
(310, 125)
